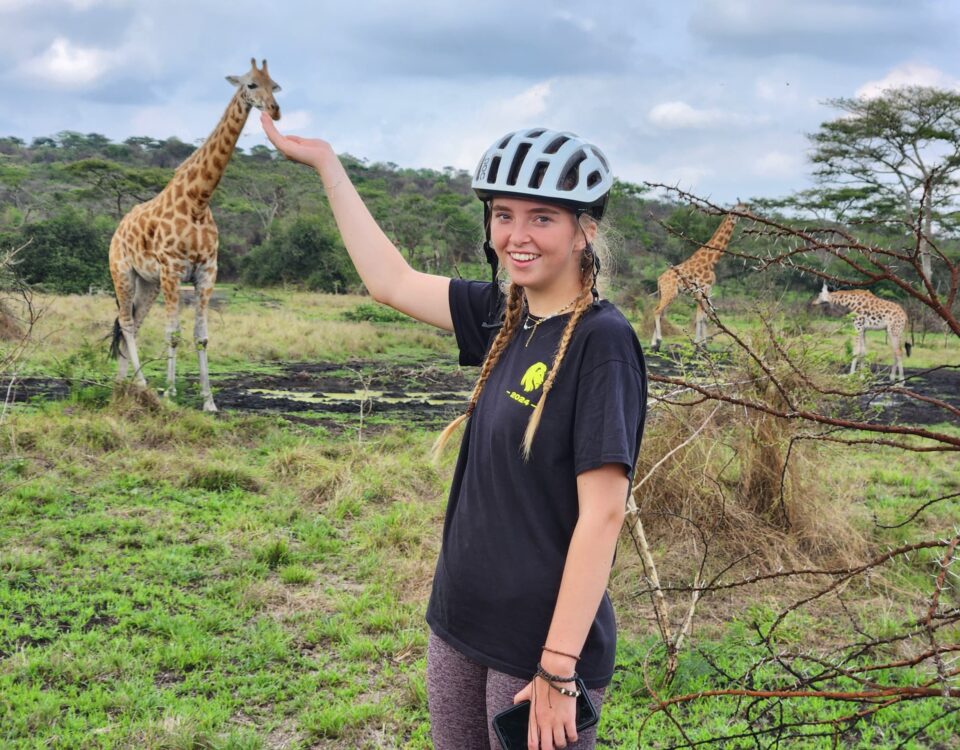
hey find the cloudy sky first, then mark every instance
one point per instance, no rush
(713, 95)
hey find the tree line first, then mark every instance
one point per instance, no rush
(63, 195)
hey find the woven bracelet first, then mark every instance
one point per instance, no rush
(541, 672)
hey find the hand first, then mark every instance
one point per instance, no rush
(309, 151)
(553, 717)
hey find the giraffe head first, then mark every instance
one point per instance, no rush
(257, 89)
(824, 295)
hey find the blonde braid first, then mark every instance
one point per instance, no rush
(511, 318)
(583, 304)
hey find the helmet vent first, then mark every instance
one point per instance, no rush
(536, 133)
(555, 144)
(536, 179)
(505, 141)
(570, 177)
(517, 163)
(494, 168)
(594, 178)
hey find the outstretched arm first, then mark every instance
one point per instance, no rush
(383, 270)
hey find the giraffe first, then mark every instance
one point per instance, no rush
(173, 238)
(695, 276)
(872, 314)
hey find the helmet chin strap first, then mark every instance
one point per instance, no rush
(495, 312)
(487, 247)
(588, 249)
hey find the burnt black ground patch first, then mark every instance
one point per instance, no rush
(429, 395)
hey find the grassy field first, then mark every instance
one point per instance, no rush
(173, 579)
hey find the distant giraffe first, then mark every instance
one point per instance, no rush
(695, 276)
(172, 238)
(874, 314)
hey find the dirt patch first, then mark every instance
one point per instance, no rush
(333, 394)
(426, 395)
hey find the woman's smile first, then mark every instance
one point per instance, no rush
(522, 258)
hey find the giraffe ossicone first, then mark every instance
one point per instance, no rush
(172, 239)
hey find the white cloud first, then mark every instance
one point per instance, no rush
(908, 74)
(66, 64)
(776, 88)
(529, 104)
(680, 115)
(687, 176)
(577, 19)
(779, 164)
(79, 5)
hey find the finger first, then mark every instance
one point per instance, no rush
(570, 727)
(270, 129)
(559, 737)
(523, 695)
(533, 732)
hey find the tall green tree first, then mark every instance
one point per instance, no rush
(890, 152)
(117, 184)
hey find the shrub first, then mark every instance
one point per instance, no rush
(305, 251)
(374, 313)
(67, 253)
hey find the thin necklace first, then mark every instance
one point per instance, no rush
(532, 323)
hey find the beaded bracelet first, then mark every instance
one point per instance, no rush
(565, 691)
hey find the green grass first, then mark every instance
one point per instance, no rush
(159, 593)
(173, 579)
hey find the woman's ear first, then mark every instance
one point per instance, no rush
(588, 231)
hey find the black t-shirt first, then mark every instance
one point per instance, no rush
(509, 522)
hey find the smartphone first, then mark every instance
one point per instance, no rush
(511, 725)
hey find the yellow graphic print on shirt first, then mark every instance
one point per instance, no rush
(533, 377)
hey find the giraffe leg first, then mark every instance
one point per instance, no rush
(143, 300)
(657, 336)
(143, 297)
(124, 283)
(170, 283)
(859, 349)
(700, 325)
(667, 291)
(896, 372)
(204, 290)
(857, 345)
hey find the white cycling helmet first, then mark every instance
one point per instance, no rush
(541, 163)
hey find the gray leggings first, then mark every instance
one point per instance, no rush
(464, 696)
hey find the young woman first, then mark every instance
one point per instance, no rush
(553, 426)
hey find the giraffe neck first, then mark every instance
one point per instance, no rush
(200, 173)
(717, 244)
(845, 299)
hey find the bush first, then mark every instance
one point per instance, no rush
(304, 252)
(67, 253)
(374, 313)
